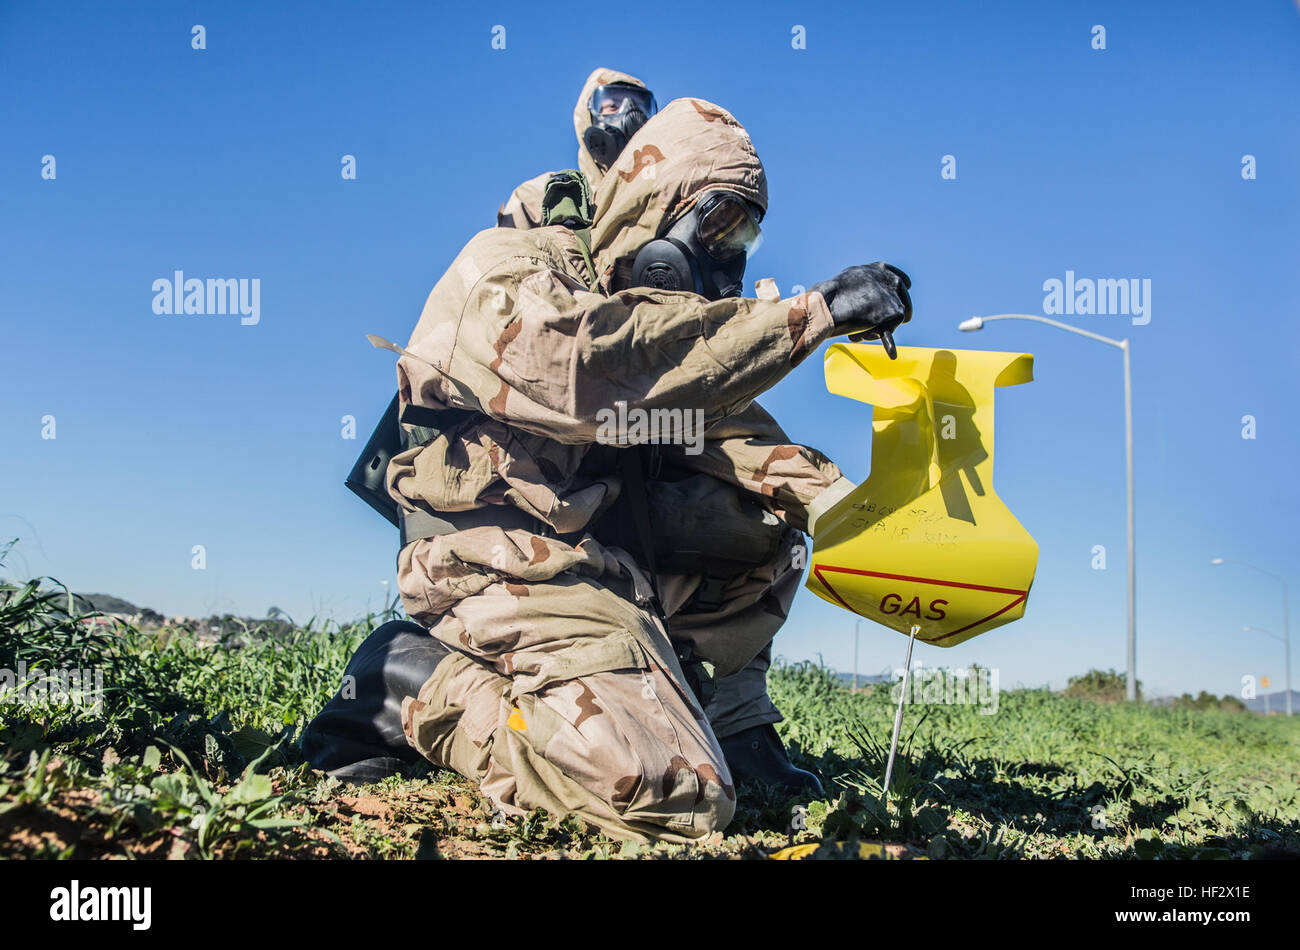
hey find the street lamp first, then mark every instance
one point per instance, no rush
(1263, 630)
(977, 323)
(857, 630)
(1267, 633)
(1286, 620)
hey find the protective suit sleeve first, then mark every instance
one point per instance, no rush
(563, 359)
(540, 352)
(750, 450)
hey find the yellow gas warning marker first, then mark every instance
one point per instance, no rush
(925, 540)
(866, 851)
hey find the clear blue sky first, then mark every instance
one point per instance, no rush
(175, 431)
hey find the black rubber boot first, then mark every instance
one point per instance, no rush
(358, 737)
(757, 753)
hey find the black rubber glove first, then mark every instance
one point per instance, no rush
(868, 302)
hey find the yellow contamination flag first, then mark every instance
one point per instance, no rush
(925, 540)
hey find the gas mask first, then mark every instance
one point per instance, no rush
(618, 110)
(705, 250)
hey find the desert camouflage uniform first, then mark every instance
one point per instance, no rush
(565, 692)
(749, 605)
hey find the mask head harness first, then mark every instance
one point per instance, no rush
(618, 110)
(705, 250)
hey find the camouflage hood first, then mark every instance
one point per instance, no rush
(689, 147)
(582, 117)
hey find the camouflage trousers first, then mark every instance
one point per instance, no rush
(734, 631)
(568, 695)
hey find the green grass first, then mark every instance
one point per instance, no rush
(192, 754)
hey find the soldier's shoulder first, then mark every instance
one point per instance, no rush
(523, 209)
(493, 247)
(512, 240)
(535, 185)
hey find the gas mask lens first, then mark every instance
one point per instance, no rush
(728, 226)
(616, 97)
(705, 250)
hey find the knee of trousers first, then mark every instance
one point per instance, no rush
(587, 713)
(453, 719)
(623, 749)
(719, 808)
(634, 745)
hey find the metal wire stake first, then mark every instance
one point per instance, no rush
(898, 716)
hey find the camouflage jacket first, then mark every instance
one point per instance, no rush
(521, 331)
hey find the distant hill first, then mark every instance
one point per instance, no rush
(863, 679)
(1276, 702)
(101, 603)
(106, 603)
(148, 618)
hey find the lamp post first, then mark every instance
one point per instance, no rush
(1270, 633)
(977, 323)
(1286, 620)
(857, 630)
